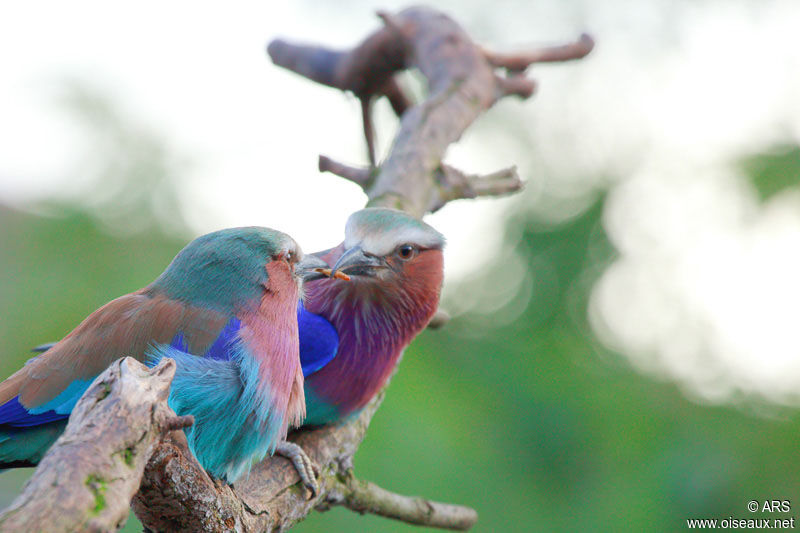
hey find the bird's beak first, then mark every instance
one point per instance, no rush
(310, 268)
(355, 262)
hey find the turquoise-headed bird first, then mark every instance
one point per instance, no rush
(225, 310)
(352, 333)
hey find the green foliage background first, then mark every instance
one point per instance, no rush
(532, 423)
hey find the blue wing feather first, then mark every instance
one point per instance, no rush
(222, 348)
(319, 340)
(14, 415)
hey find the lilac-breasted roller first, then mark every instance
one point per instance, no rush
(352, 333)
(225, 310)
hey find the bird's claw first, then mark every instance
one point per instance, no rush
(306, 468)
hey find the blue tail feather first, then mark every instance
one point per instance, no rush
(13, 414)
(26, 446)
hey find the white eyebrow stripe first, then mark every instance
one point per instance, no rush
(381, 244)
(379, 231)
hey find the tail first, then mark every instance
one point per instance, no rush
(27, 433)
(25, 446)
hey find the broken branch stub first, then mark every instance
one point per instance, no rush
(86, 480)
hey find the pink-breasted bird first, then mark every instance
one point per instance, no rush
(352, 333)
(225, 310)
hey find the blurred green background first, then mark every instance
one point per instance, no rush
(516, 408)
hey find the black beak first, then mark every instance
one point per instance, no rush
(355, 262)
(309, 267)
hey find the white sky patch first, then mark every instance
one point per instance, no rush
(199, 74)
(707, 295)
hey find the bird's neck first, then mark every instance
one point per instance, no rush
(270, 335)
(375, 322)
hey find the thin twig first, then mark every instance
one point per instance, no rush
(367, 497)
(359, 176)
(455, 185)
(522, 60)
(515, 84)
(178, 422)
(369, 131)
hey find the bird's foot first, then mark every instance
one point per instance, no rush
(307, 469)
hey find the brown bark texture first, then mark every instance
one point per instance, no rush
(86, 480)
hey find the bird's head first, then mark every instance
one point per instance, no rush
(396, 267)
(387, 246)
(232, 267)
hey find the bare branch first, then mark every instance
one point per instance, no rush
(498, 183)
(87, 479)
(316, 63)
(359, 176)
(516, 84)
(366, 497)
(177, 494)
(455, 184)
(521, 61)
(369, 131)
(178, 422)
(462, 85)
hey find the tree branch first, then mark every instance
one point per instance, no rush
(454, 184)
(462, 85)
(366, 497)
(87, 479)
(521, 61)
(451, 183)
(369, 133)
(360, 176)
(177, 494)
(515, 84)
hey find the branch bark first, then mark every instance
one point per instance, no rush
(462, 84)
(87, 479)
(89, 466)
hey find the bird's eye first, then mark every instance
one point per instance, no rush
(290, 256)
(406, 251)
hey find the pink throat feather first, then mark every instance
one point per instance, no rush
(271, 334)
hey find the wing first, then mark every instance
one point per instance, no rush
(43, 347)
(220, 349)
(126, 326)
(319, 340)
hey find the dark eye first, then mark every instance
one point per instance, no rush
(290, 256)
(406, 251)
